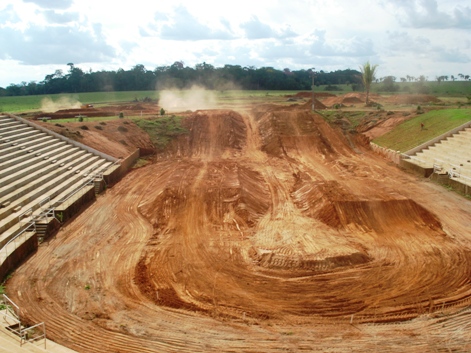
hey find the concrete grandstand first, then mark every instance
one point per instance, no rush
(44, 178)
(447, 156)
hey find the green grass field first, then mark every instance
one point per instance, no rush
(442, 89)
(409, 134)
(19, 104)
(33, 103)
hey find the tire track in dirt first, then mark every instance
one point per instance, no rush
(222, 249)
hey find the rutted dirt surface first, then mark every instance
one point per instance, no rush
(259, 231)
(118, 138)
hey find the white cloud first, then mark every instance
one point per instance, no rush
(53, 16)
(184, 26)
(37, 36)
(428, 14)
(51, 4)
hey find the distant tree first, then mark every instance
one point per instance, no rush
(389, 85)
(403, 79)
(452, 78)
(466, 77)
(461, 76)
(368, 76)
(422, 78)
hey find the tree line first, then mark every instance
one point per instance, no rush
(179, 76)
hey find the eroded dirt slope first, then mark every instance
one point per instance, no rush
(118, 138)
(259, 231)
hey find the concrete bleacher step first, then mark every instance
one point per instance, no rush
(20, 128)
(17, 191)
(65, 160)
(67, 157)
(22, 147)
(46, 149)
(13, 135)
(9, 215)
(10, 139)
(10, 126)
(36, 159)
(31, 158)
(83, 161)
(450, 155)
(24, 143)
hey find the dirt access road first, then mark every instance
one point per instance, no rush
(260, 231)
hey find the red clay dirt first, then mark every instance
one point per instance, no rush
(260, 231)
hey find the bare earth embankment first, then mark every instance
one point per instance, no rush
(261, 231)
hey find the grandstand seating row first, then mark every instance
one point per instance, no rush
(40, 170)
(450, 155)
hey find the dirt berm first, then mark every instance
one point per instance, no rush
(258, 231)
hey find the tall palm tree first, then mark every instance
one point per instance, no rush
(368, 76)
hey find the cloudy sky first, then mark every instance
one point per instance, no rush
(404, 37)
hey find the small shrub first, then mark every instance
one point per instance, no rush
(332, 88)
(84, 127)
(121, 115)
(162, 111)
(87, 287)
(102, 123)
(80, 118)
(122, 129)
(99, 127)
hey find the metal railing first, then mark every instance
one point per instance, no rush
(31, 227)
(29, 334)
(12, 315)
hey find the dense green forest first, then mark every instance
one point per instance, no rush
(179, 76)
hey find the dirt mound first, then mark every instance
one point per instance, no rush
(251, 232)
(348, 99)
(111, 110)
(117, 138)
(309, 94)
(412, 99)
(283, 130)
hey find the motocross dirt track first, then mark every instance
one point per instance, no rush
(260, 231)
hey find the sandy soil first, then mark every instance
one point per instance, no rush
(260, 231)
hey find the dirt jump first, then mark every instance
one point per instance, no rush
(264, 230)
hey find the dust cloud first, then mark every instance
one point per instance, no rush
(191, 99)
(50, 106)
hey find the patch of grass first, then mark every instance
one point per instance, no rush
(141, 162)
(162, 130)
(2, 289)
(354, 117)
(86, 119)
(442, 89)
(409, 134)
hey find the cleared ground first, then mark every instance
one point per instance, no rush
(265, 230)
